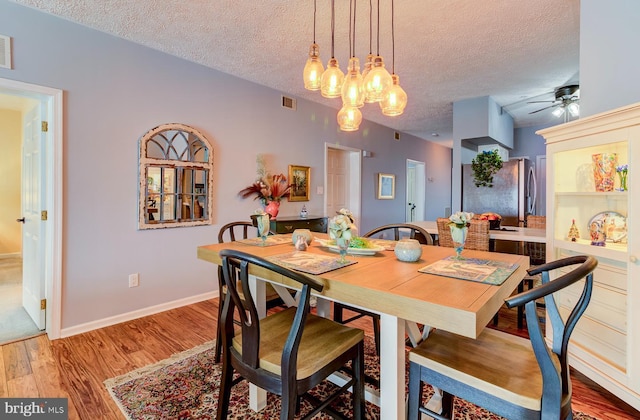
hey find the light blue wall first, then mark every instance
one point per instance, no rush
(114, 92)
(482, 117)
(609, 63)
(527, 143)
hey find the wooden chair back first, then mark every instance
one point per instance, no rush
(400, 230)
(508, 375)
(231, 232)
(537, 252)
(477, 235)
(234, 231)
(265, 351)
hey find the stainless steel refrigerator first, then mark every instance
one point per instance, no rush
(512, 196)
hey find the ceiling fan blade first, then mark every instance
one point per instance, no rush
(540, 102)
(542, 109)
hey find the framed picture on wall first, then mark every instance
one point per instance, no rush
(300, 180)
(386, 186)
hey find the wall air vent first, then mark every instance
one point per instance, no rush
(5, 52)
(288, 103)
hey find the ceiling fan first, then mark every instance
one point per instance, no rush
(566, 102)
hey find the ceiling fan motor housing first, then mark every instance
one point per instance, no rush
(566, 92)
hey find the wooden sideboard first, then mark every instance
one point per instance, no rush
(289, 224)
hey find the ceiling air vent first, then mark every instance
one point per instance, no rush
(288, 103)
(5, 52)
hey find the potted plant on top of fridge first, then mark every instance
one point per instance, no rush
(484, 166)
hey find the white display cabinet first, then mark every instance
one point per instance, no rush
(605, 345)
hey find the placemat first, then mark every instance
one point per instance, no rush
(473, 269)
(308, 262)
(271, 240)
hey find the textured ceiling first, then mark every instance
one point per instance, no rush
(445, 50)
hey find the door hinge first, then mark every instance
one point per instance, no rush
(43, 215)
(45, 126)
(43, 304)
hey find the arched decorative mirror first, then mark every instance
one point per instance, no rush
(176, 164)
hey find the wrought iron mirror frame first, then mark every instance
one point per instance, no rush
(185, 152)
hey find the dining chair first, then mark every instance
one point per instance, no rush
(229, 233)
(477, 234)
(398, 231)
(511, 376)
(288, 352)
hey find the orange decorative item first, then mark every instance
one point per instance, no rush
(272, 208)
(604, 169)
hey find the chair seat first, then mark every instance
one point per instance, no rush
(323, 340)
(487, 363)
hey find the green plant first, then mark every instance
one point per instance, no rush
(484, 166)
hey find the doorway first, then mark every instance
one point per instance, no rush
(342, 169)
(45, 280)
(415, 205)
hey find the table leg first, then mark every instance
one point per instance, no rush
(392, 367)
(258, 396)
(323, 307)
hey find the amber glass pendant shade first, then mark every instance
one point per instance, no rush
(352, 89)
(313, 69)
(395, 99)
(332, 79)
(376, 81)
(349, 118)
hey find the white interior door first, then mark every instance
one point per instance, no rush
(33, 231)
(415, 205)
(337, 181)
(342, 180)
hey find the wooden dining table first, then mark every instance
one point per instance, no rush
(396, 290)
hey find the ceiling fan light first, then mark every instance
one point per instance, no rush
(574, 109)
(377, 81)
(558, 112)
(352, 90)
(331, 80)
(395, 98)
(313, 69)
(349, 118)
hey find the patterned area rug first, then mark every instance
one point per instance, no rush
(185, 386)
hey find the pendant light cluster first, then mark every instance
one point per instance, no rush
(374, 84)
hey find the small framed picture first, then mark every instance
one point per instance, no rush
(386, 186)
(300, 180)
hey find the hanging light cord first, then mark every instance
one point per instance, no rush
(378, 38)
(333, 22)
(370, 24)
(351, 34)
(314, 21)
(393, 42)
(352, 30)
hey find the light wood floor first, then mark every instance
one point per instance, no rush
(76, 367)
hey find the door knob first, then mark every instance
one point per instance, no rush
(21, 220)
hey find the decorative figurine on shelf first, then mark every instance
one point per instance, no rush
(597, 232)
(622, 171)
(303, 212)
(574, 234)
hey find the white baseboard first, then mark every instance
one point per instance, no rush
(106, 322)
